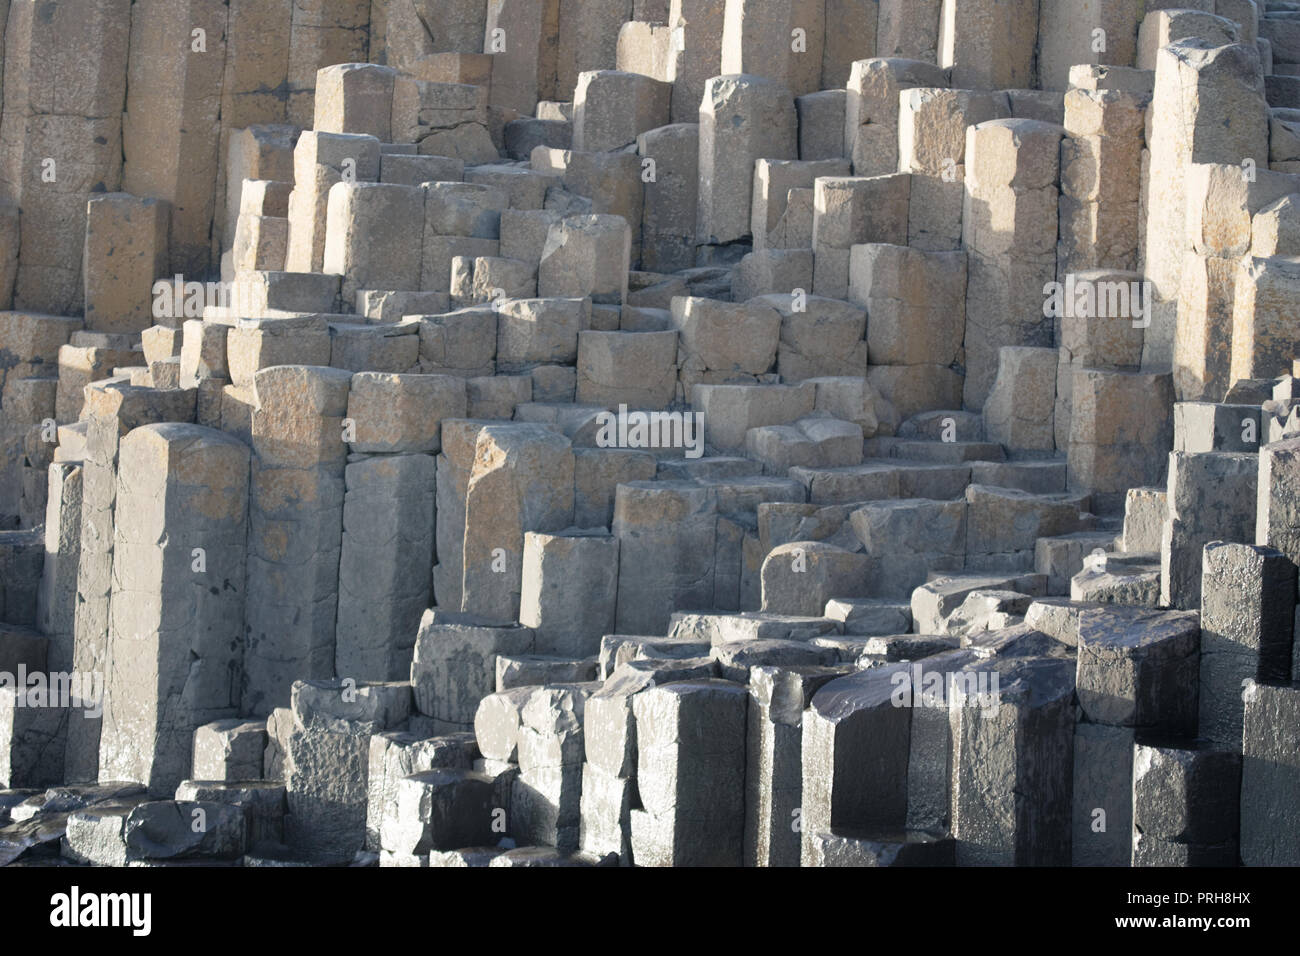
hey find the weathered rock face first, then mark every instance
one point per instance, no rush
(649, 432)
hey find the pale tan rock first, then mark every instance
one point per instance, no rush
(355, 98)
(402, 413)
(697, 27)
(989, 44)
(671, 197)
(916, 303)
(1066, 36)
(872, 110)
(586, 256)
(319, 161)
(636, 369)
(522, 480)
(1207, 107)
(1263, 317)
(370, 228)
(742, 119)
(782, 40)
(1009, 231)
(612, 108)
(1019, 410)
(724, 338)
(125, 251)
(1162, 27)
(255, 345)
(1275, 230)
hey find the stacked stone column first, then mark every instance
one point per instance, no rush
(295, 529)
(1207, 107)
(113, 409)
(1009, 229)
(62, 136)
(175, 634)
(386, 559)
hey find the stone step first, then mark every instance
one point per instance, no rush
(1119, 578)
(879, 479)
(1063, 556)
(945, 452)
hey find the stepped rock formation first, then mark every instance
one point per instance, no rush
(656, 433)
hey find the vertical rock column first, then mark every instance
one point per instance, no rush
(322, 33)
(263, 154)
(386, 556)
(319, 161)
(871, 110)
(171, 130)
(1068, 35)
(1211, 496)
(669, 210)
(1248, 599)
(851, 34)
(112, 409)
(1136, 675)
(1101, 169)
(782, 40)
(327, 761)
(30, 345)
(61, 135)
(1012, 760)
(610, 740)
(125, 251)
(854, 755)
(932, 147)
(742, 118)
(254, 107)
(522, 480)
(388, 519)
(522, 37)
(56, 601)
(455, 462)
(1185, 804)
(570, 582)
(175, 633)
(690, 774)
(1009, 226)
(1111, 450)
(989, 44)
(695, 52)
(1217, 343)
(909, 28)
(667, 535)
(257, 59)
(778, 699)
(295, 530)
(545, 801)
(1088, 341)
(1277, 514)
(587, 32)
(1270, 777)
(1207, 107)
(1264, 326)
(404, 33)
(374, 236)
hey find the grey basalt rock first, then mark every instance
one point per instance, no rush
(855, 751)
(778, 697)
(690, 774)
(1012, 758)
(1270, 776)
(1139, 668)
(171, 829)
(914, 848)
